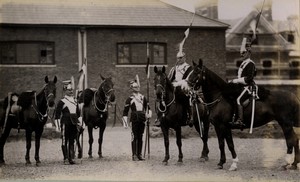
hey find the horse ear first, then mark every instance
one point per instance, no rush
(194, 64)
(200, 63)
(102, 77)
(163, 69)
(155, 69)
(46, 79)
(55, 79)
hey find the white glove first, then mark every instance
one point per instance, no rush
(149, 114)
(125, 121)
(184, 85)
(57, 125)
(175, 84)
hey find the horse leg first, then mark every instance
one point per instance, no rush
(3, 139)
(79, 145)
(28, 144)
(230, 145)
(38, 135)
(91, 140)
(179, 144)
(165, 132)
(100, 140)
(291, 142)
(205, 150)
(221, 147)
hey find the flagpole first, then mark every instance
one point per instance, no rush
(147, 140)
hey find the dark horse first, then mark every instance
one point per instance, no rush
(32, 117)
(95, 110)
(171, 112)
(281, 106)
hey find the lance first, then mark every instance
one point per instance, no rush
(147, 140)
(253, 94)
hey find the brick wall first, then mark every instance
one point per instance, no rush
(207, 44)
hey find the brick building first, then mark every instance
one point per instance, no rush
(39, 38)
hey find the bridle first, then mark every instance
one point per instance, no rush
(163, 97)
(48, 97)
(107, 95)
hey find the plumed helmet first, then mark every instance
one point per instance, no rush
(68, 84)
(246, 45)
(135, 84)
(180, 54)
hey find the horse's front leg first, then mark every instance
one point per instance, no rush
(205, 149)
(38, 135)
(91, 140)
(292, 142)
(165, 132)
(179, 144)
(100, 140)
(28, 145)
(221, 142)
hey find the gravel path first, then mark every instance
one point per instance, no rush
(259, 160)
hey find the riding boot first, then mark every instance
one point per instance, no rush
(239, 121)
(71, 154)
(65, 153)
(134, 150)
(190, 117)
(140, 147)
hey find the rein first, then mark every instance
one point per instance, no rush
(36, 109)
(165, 106)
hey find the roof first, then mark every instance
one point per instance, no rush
(100, 13)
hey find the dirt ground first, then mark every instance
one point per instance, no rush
(259, 160)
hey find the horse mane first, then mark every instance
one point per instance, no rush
(221, 83)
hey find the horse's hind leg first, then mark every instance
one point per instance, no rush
(179, 144)
(28, 145)
(38, 135)
(221, 147)
(230, 145)
(91, 140)
(292, 142)
(100, 140)
(3, 139)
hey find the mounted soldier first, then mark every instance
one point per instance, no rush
(177, 76)
(245, 78)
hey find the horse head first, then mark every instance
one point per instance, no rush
(197, 76)
(106, 89)
(50, 91)
(160, 83)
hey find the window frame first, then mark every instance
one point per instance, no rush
(40, 44)
(151, 53)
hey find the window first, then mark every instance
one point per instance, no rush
(290, 38)
(136, 53)
(294, 69)
(26, 52)
(267, 67)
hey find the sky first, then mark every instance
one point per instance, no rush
(232, 9)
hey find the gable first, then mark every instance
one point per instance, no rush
(265, 29)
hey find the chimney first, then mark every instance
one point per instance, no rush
(208, 8)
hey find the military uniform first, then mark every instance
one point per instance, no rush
(66, 116)
(245, 77)
(138, 105)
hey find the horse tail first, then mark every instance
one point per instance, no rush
(296, 107)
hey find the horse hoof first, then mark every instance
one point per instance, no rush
(100, 156)
(179, 161)
(2, 163)
(232, 168)
(90, 156)
(203, 159)
(38, 163)
(293, 167)
(165, 163)
(28, 162)
(219, 167)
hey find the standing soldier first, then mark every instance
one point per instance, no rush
(66, 116)
(139, 107)
(245, 77)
